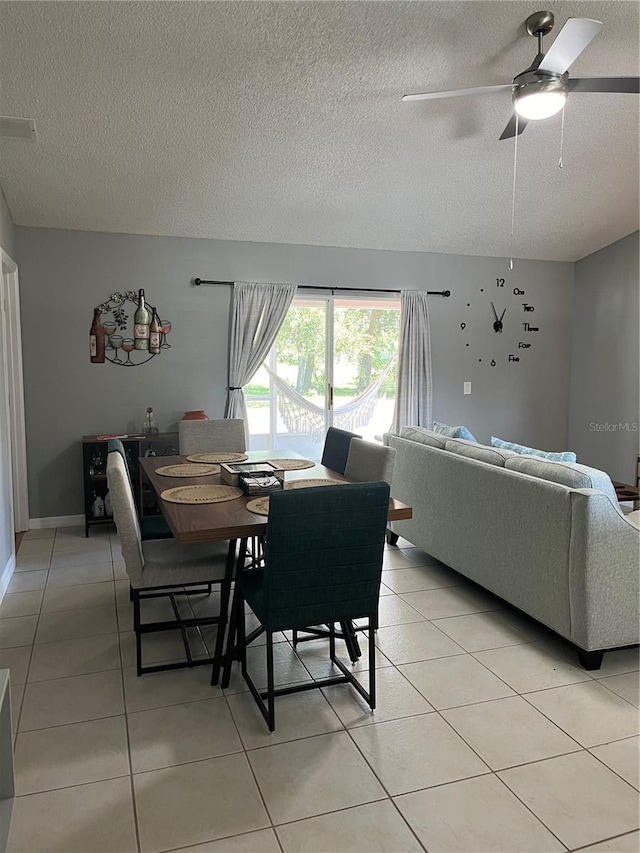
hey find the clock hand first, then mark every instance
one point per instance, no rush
(502, 315)
(495, 314)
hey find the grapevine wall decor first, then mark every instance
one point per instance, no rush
(126, 323)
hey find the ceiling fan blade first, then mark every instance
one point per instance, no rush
(478, 90)
(626, 85)
(510, 130)
(572, 39)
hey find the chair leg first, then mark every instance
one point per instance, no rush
(135, 594)
(271, 700)
(294, 638)
(372, 666)
(332, 640)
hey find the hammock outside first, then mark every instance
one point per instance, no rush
(304, 417)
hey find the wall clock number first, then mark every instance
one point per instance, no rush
(499, 282)
(493, 362)
(463, 326)
(513, 357)
(518, 292)
(529, 328)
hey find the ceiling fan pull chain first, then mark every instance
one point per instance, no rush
(513, 192)
(560, 161)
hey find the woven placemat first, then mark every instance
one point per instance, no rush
(291, 464)
(259, 505)
(218, 456)
(187, 470)
(201, 494)
(306, 484)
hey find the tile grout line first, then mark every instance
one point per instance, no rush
(33, 643)
(134, 806)
(588, 847)
(252, 772)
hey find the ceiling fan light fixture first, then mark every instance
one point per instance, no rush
(538, 105)
(537, 96)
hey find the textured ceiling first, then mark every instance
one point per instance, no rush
(282, 122)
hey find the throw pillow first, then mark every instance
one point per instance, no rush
(453, 431)
(564, 456)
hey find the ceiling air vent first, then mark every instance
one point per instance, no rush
(17, 128)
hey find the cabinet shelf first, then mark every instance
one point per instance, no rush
(96, 484)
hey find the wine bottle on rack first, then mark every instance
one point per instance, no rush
(141, 323)
(154, 334)
(96, 339)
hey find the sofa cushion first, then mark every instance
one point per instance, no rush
(453, 431)
(423, 436)
(563, 456)
(492, 455)
(566, 473)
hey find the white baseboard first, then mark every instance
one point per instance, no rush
(56, 521)
(5, 577)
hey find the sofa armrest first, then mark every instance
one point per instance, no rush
(604, 573)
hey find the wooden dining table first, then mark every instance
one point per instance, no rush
(231, 520)
(217, 522)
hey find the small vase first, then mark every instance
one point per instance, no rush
(198, 415)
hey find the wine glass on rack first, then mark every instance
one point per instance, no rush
(165, 328)
(109, 328)
(128, 346)
(116, 343)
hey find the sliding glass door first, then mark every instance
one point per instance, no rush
(333, 363)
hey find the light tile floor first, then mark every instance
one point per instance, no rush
(488, 736)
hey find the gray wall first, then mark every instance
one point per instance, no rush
(604, 363)
(64, 274)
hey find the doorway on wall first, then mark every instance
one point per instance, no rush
(333, 364)
(12, 426)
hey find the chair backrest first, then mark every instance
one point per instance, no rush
(125, 517)
(323, 554)
(226, 434)
(114, 445)
(336, 449)
(369, 461)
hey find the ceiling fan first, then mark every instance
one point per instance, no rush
(541, 90)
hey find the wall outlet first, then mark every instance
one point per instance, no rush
(467, 387)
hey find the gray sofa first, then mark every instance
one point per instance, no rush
(548, 537)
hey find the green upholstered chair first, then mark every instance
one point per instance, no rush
(336, 449)
(166, 568)
(227, 434)
(364, 461)
(151, 526)
(322, 564)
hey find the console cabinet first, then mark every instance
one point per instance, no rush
(94, 472)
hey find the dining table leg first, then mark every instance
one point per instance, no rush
(230, 652)
(225, 594)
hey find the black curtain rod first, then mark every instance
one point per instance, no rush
(199, 281)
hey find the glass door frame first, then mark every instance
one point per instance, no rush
(329, 300)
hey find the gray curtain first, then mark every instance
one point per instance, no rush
(257, 313)
(413, 394)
